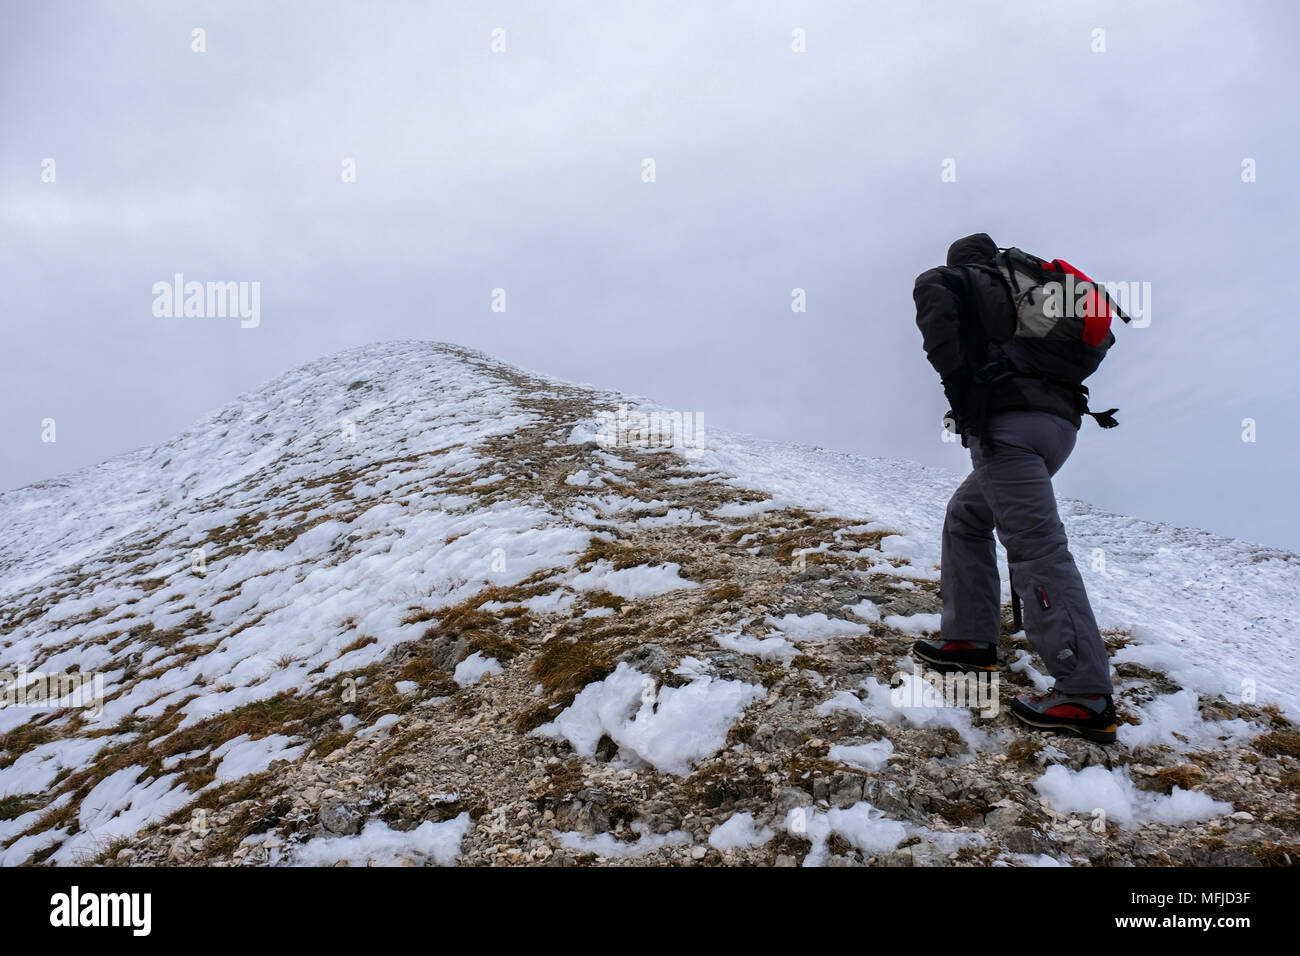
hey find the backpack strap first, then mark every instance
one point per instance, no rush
(1011, 275)
(1105, 419)
(986, 378)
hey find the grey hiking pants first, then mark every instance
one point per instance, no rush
(1011, 490)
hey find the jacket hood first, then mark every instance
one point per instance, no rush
(976, 249)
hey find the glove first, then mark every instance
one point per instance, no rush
(955, 388)
(955, 425)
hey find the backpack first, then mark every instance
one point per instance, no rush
(1054, 299)
(1062, 329)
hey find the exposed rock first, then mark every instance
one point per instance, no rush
(845, 789)
(1026, 840)
(1002, 818)
(790, 797)
(338, 817)
(647, 658)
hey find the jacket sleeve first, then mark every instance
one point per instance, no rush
(938, 315)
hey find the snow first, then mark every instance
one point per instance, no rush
(474, 668)
(363, 555)
(863, 825)
(380, 726)
(1161, 651)
(869, 829)
(1170, 717)
(815, 627)
(866, 827)
(871, 756)
(344, 537)
(1037, 859)
(20, 824)
(1112, 792)
(674, 517)
(37, 768)
(866, 610)
(913, 702)
(1213, 609)
(240, 756)
(747, 509)
(1022, 664)
(738, 832)
(669, 730)
(22, 849)
(584, 479)
(902, 546)
(118, 806)
(765, 648)
(555, 601)
(378, 845)
(693, 668)
(611, 848)
(915, 624)
(636, 582)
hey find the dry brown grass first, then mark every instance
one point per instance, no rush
(571, 665)
(1279, 743)
(621, 556)
(1185, 776)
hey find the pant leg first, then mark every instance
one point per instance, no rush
(1016, 480)
(968, 569)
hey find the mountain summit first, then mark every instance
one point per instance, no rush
(409, 604)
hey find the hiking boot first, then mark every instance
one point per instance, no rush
(1091, 716)
(964, 656)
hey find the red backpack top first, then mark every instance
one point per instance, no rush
(1054, 299)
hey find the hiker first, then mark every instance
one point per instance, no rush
(1013, 376)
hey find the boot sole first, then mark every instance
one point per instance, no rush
(1106, 736)
(951, 667)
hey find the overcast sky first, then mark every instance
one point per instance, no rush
(774, 170)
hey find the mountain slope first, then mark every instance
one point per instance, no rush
(407, 604)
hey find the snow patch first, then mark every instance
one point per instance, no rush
(1112, 791)
(766, 648)
(378, 845)
(644, 580)
(669, 730)
(605, 845)
(1171, 716)
(739, 832)
(816, 627)
(474, 668)
(862, 825)
(871, 756)
(242, 756)
(915, 624)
